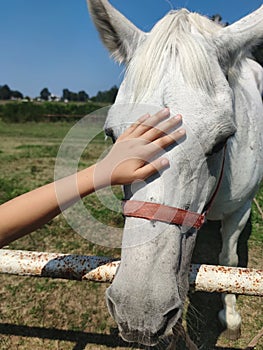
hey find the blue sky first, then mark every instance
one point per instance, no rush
(54, 44)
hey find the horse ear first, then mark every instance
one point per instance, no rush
(242, 35)
(118, 34)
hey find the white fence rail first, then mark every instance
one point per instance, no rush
(101, 269)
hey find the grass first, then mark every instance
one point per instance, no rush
(55, 314)
(257, 236)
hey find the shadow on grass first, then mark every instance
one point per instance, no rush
(81, 339)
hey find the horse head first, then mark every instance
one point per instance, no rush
(191, 65)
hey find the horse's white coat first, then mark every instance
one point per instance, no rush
(200, 70)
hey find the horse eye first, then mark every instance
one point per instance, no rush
(218, 147)
(109, 132)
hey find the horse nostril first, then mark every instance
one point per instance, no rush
(171, 318)
(172, 314)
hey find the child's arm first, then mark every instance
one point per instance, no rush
(125, 163)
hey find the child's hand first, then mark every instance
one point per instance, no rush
(128, 159)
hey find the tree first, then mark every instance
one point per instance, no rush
(73, 96)
(45, 94)
(83, 96)
(66, 94)
(17, 94)
(218, 19)
(5, 92)
(107, 96)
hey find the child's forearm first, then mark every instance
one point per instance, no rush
(31, 210)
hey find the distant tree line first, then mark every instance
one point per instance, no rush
(107, 96)
(80, 96)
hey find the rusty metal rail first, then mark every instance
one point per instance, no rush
(102, 269)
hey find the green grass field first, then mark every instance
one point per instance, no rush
(56, 314)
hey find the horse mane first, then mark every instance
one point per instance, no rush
(170, 40)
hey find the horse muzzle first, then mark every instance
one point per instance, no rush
(145, 330)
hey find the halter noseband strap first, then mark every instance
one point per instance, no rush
(164, 213)
(171, 215)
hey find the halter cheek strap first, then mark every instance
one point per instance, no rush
(171, 215)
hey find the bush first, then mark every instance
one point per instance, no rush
(45, 111)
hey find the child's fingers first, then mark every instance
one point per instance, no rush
(134, 126)
(149, 123)
(146, 123)
(162, 129)
(171, 138)
(154, 147)
(151, 168)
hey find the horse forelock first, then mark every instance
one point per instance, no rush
(177, 40)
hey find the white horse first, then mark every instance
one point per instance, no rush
(200, 70)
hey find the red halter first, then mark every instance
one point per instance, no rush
(171, 215)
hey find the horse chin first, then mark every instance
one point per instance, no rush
(147, 338)
(140, 338)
